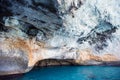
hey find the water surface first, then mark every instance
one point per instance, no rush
(73, 73)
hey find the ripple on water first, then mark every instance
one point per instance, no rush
(71, 73)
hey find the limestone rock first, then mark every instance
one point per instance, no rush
(55, 32)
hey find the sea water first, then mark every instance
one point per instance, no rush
(73, 73)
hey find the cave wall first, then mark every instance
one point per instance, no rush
(88, 32)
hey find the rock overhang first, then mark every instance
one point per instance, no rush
(84, 31)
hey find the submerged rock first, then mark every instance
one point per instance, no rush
(58, 32)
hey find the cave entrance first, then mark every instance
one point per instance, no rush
(55, 62)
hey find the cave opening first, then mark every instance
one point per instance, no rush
(55, 62)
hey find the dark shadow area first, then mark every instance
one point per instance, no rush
(112, 63)
(55, 62)
(11, 77)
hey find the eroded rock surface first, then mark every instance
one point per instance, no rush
(61, 32)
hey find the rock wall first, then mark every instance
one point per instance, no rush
(83, 32)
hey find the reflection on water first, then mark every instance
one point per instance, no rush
(12, 77)
(70, 73)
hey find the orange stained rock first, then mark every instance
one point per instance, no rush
(22, 45)
(31, 48)
(109, 57)
(86, 55)
(35, 49)
(28, 46)
(94, 57)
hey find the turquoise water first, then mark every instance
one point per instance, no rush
(73, 73)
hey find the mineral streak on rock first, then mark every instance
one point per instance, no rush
(58, 32)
